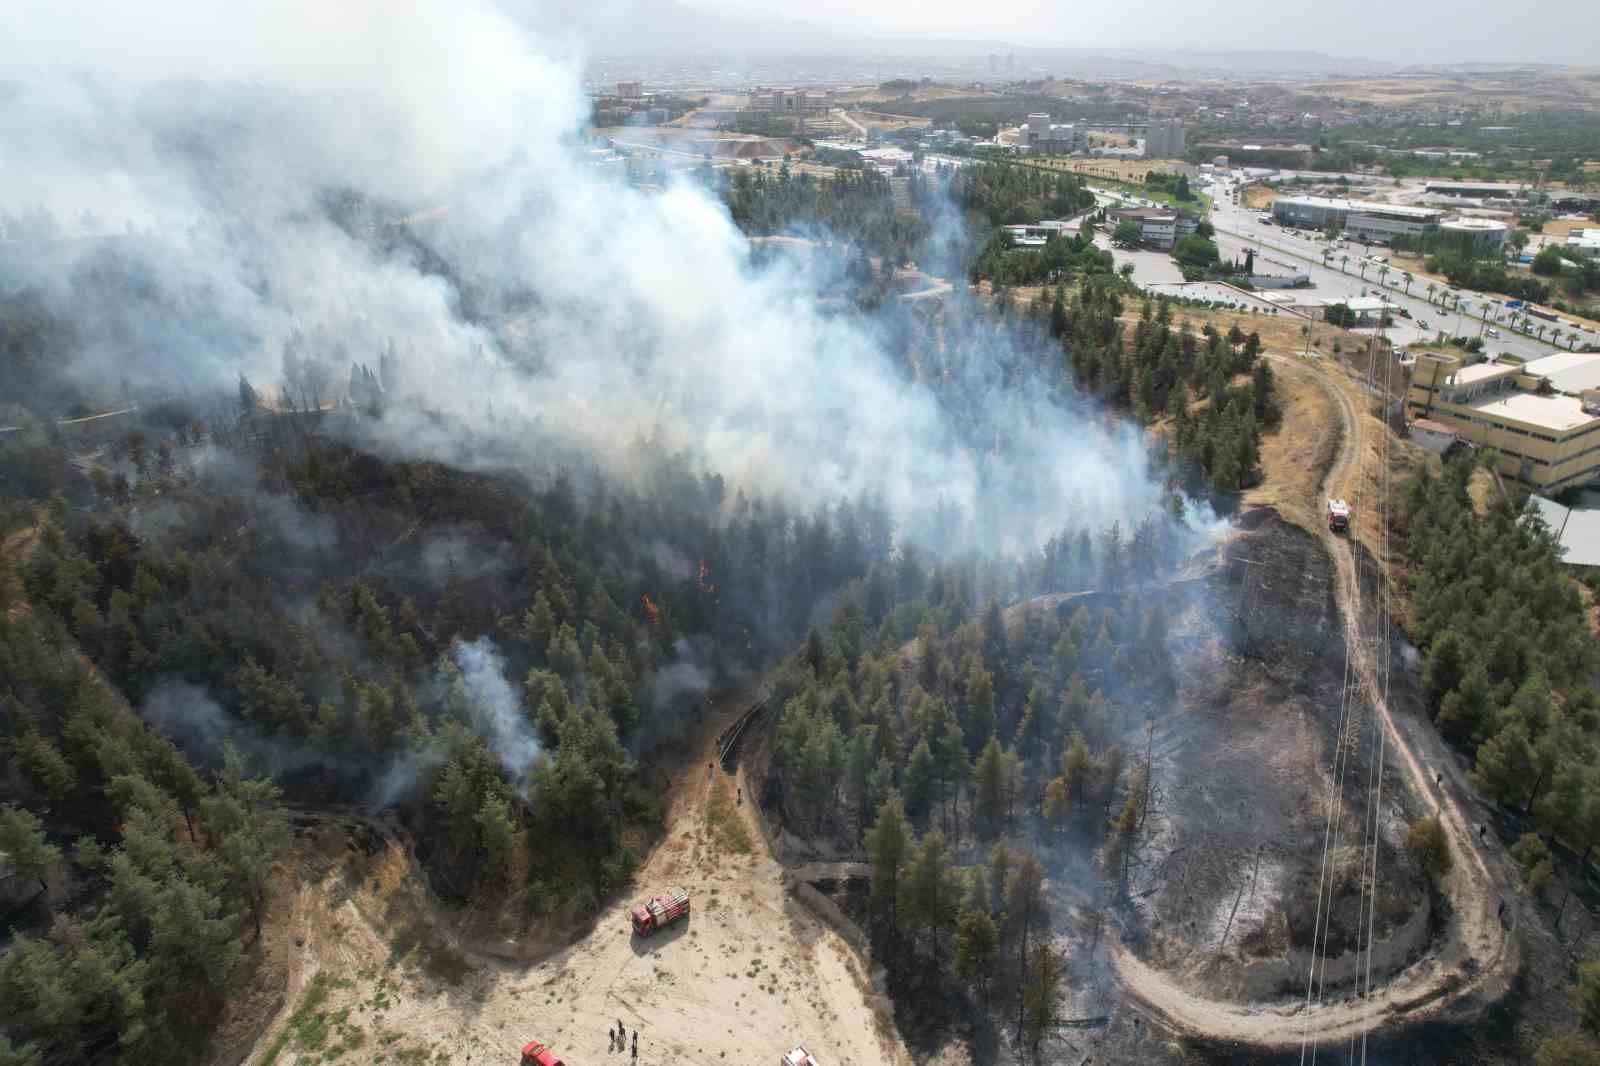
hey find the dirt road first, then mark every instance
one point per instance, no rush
(750, 974)
(1471, 958)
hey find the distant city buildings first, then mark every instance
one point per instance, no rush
(1164, 139)
(1039, 134)
(791, 101)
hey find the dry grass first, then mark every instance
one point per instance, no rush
(1560, 227)
(1296, 455)
(1510, 90)
(727, 829)
(1481, 490)
(1115, 140)
(878, 120)
(1258, 197)
(1128, 170)
(921, 94)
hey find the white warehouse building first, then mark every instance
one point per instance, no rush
(1363, 220)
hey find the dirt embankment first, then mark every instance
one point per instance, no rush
(747, 976)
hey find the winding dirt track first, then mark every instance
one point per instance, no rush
(1473, 956)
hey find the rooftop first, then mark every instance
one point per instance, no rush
(1576, 530)
(1509, 186)
(1569, 372)
(1559, 413)
(1431, 426)
(1359, 206)
(1485, 372)
(1485, 225)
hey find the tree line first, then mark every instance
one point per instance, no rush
(1508, 656)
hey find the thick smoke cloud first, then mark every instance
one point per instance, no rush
(493, 706)
(190, 178)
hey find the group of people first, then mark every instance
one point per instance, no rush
(618, 1039)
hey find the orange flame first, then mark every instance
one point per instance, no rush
(651, 610)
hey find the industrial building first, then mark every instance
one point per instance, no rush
(1035, 234)
(1362, 220)
(1163, 139)
(1482, 190)
(1486, 234)
(791, 101)
(1159, 228)
(1040, 135)
(1542, 417)
(1584, 240)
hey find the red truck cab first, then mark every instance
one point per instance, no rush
(537, 1054)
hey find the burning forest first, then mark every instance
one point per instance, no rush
(395, 503)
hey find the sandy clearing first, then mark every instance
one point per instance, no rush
(747, 976)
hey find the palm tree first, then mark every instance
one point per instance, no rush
(1383, 272)
(1538, 331)
(1409, 279)
(1364, 265)
(1343, 260)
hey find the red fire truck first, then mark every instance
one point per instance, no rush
(654, 915)
(1338, 516)
(536, 1054)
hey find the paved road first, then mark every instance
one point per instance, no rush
(1237, 225)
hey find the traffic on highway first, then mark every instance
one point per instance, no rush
(1348, 268)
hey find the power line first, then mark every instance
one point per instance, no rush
(1386, 615)
(1344, 752)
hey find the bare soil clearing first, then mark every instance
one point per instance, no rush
(749, 974)
(1259, 196)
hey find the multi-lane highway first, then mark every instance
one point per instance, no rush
(1239, 227)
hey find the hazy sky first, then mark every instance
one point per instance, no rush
(1556, 31)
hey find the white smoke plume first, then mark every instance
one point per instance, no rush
(188, 160)
(493, 705)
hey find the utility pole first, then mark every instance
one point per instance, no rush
(1256, 872)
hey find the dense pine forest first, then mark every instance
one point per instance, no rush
(1509, 656)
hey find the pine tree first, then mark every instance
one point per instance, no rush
(1041, 993)
(977, 948)
(1024, 895)
(23, 843)
(888, 848)
(989, 789)
(244, 820)
(919, 780)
